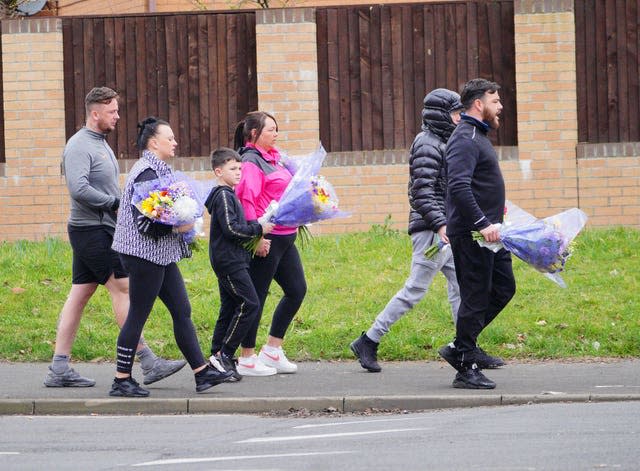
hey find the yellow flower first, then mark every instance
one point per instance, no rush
(147, 206)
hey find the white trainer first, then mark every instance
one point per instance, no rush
(213, 361)
(252, 366)
(278, 360)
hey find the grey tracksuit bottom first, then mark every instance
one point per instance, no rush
(416, 286)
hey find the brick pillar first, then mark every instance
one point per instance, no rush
(547, 102)
(287, 67)
(32, 192)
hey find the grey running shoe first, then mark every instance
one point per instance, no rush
(69, 379)
(161, 369)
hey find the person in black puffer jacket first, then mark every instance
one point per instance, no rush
(427, 222)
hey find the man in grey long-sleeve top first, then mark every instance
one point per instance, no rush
(91, 172)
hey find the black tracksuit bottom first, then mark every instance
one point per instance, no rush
(486, 285)
(239, 307)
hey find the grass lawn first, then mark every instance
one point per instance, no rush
(350, 279)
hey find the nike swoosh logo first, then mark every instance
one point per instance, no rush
(252, 365)
(274, 358)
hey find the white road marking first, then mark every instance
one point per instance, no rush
(9, 452)
(234, 458)
(328, 435)
(357, 422)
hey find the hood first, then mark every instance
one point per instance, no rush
(436, 114)
(209, 201)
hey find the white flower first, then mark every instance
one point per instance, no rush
(185, 209)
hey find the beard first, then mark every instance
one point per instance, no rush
(491, 118)
(105, 128)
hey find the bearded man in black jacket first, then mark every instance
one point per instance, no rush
(427, 222)
(476, 202)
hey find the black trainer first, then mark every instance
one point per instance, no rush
(209, 377)
(472, 378)
(450, 353)
(127, 387)
(229, 364)
(486, 361)
(366, 351)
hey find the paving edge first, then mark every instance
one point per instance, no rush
(145, 406)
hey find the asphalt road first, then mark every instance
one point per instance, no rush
(562, 436)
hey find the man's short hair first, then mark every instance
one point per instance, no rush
(222, 155)
(476, 88)
(99, 95)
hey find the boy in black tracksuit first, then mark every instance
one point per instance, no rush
(239, 302)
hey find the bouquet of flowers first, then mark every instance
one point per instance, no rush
(174, 200)
(545, 244)
(308, 198)
(434, 249)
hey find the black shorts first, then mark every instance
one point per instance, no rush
(93, 258)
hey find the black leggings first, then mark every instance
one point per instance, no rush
(283, 265)
(148, 281)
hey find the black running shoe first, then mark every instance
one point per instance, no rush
(209, 377)
(472, 378)
(450, 353)
(229, 364)
(127, 387)
(486, 361)
(366, 351)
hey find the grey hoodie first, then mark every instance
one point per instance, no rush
(91, 172)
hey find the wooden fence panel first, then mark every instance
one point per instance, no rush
(376, 63)
(607, 70)
(198, 71)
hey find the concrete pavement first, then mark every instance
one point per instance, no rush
(342, 386)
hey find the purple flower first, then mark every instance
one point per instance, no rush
(309, 197)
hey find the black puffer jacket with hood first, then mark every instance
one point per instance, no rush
(427, 163)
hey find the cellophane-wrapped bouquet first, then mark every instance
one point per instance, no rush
(545, 244)
(174, 200)
(308, 198)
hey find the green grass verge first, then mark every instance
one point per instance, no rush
(350, 279)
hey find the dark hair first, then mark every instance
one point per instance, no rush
(475, 89)
(101, 95)
(147, 128)
(222, 155)
(253, 120)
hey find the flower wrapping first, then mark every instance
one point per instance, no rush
(174, 200)
(545, 244)
(309, 197)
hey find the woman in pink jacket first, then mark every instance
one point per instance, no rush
(264, 179)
